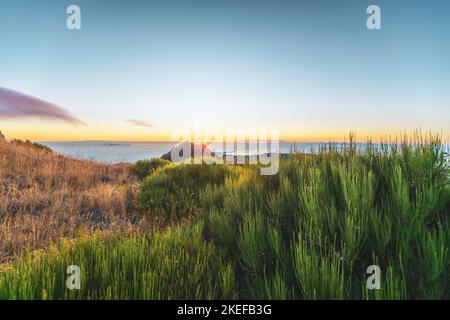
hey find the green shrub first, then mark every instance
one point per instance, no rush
(28, 143)
(313, 233)
(143, 168)
(175, 190)
(174, 264)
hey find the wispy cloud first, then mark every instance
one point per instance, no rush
(16, 105)
(141, 123)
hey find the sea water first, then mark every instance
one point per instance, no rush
(118, 152)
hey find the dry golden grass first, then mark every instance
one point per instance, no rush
(45, 196)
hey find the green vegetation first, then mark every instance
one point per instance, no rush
(174, 192)
(309, 232)
(143, 168)
(28, 143)
(174, 264)
(313, 233)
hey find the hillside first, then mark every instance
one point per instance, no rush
(167, 231)
(44, 196)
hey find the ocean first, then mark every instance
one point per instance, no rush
(110, 151)
(118, 152)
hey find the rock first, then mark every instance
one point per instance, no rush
(178, 151)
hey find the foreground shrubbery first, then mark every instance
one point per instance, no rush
(309, 232)
(174, 264)
(331, 216)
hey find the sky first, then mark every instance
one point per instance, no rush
(138, 70)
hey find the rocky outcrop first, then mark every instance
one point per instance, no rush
(177, 152)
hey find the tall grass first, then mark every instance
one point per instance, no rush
(309, 232)
(173, 193)
(45, 196)
(330, 216)
(175, 264)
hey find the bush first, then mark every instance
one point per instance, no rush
(174, 191)
(28, 143)
(143, 168)
(314, 233)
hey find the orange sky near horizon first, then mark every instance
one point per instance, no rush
(36, 130)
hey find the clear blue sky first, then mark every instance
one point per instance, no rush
(309, 68)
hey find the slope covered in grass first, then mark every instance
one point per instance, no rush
(45, 196)
(309, 232)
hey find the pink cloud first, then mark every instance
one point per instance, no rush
(16, 105)
(141, 123)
